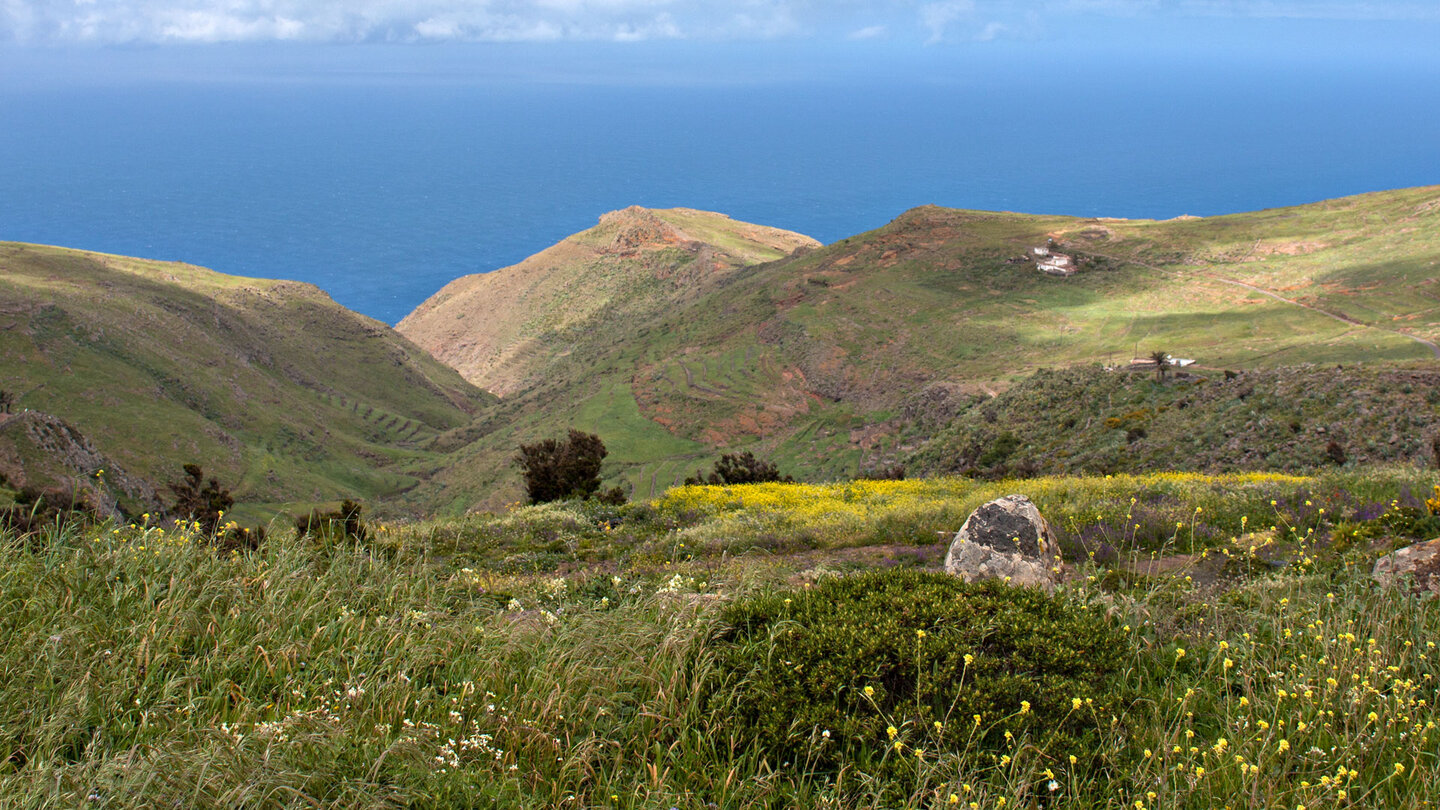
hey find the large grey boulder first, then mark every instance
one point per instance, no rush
(1006, 539)
(1414, 568)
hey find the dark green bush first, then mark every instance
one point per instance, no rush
(342, 524)
(797, 664)
(555, 470)
(739, 468)
(240, 538)
(199, 501)
(1402, 521)
(999, 450)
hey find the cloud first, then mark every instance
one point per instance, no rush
(1314, 9)
(929, 21)
(211, 26)
(124, 21)
(868, 32)
(991, 31)
(936, 17)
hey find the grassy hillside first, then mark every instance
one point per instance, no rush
(270, 385)
(582, 656)
(1291, 418)
(502, 330)
(677, 335)
(826, 360)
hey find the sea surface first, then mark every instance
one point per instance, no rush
(380, 192)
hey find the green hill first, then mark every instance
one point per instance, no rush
(269, 385)
(677, 335)
(827, 359)
(503, 330)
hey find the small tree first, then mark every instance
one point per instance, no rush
(740, 468)
(7, 401)
(1162, 364)
(199, 501)
(555, 470)
(344, 523)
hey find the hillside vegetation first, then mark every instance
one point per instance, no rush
(592, 656)
(270, 385)
(849, 356)
(1293, 418)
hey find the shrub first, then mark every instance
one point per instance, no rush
(239, 538)
(928, 648)
(1403, 521)
(34, 509)
(1336, 452)
(198, 501)
(614, 496)
(882, 472)
(342, 524)
(740, 468)
(555, 470)
(999, 450)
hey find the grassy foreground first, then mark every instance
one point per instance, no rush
(565, 655)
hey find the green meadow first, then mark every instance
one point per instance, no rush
(591, 656)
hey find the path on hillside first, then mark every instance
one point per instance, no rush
(1345, 319)
(690, 382)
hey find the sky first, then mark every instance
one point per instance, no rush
(636, 42)
(917, 22)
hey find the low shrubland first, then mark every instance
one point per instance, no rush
(1297, 418)
(695, 651)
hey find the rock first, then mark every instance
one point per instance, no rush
(1006, 539)
(1415, 568)
(1010, 524)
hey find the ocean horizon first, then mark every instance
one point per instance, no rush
(381, 188)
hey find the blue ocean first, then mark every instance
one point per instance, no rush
(382, 189)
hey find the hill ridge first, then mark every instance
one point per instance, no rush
(492, 326)
(822, 358)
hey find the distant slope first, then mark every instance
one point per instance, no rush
(501, 329)
(840, 340)
(1293, 418)
(826, 359)
(270, 385)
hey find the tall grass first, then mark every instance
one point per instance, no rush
(139, 667)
